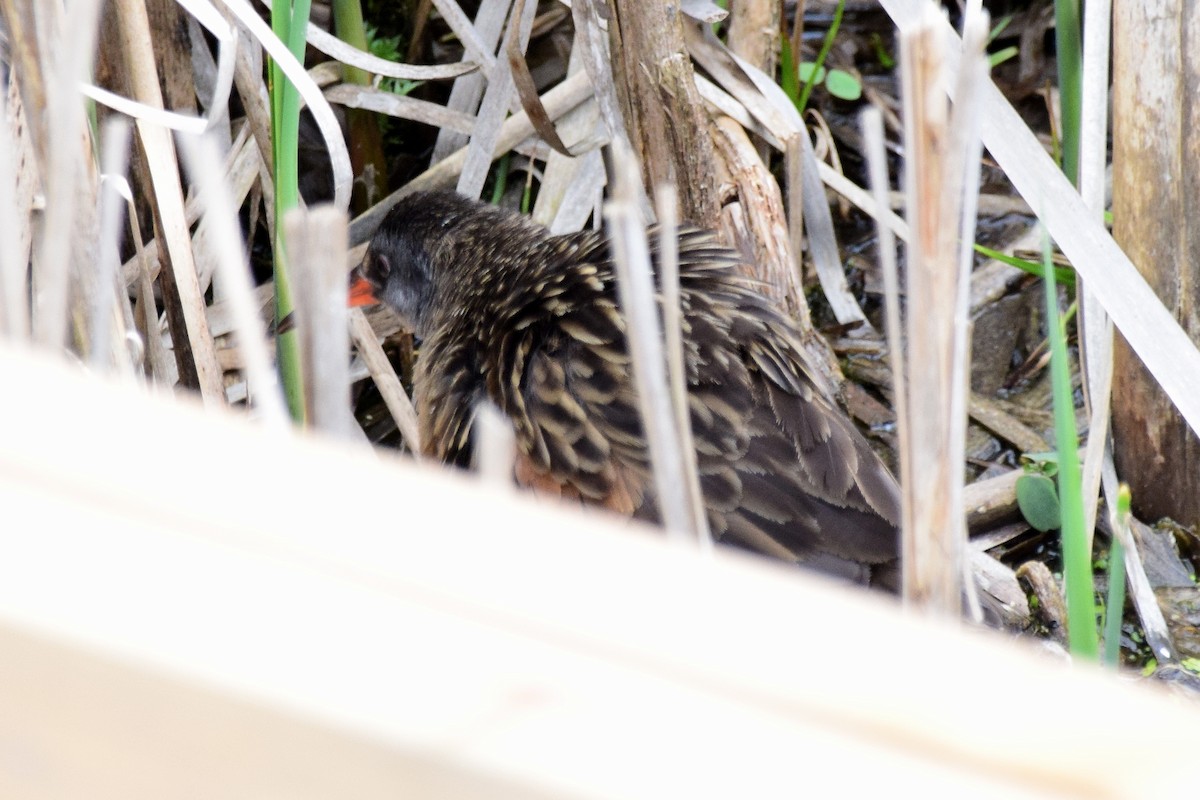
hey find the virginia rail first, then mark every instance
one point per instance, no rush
(510, 314)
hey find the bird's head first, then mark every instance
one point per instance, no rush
(408, 254)
(439, 253)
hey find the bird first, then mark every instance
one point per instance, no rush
(507, 313)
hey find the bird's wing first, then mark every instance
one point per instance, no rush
(782, 469)
(573, 410)
(446, 394)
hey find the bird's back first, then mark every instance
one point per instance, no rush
(783, 471)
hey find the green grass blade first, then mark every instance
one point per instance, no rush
(1069, 57)
(787, 72)
(289, 22)
(1077, 559)
(1064, 275)
(1114, 609)
(826, 46)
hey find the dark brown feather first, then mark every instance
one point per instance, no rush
(529, 322)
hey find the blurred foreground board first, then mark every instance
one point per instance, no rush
(190, 605)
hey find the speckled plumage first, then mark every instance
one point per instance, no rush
(529, 321)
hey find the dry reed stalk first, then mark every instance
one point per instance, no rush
(472, 42)
(753, 32)
(467, 90)
(960, 198)
(568, 182)
(252, 89)
(310, 94)
(876, 155)
(1149, 328)
(1096, 333)
(495, 446)
(14, 255)
(24, 34)
(822, 243)
(68, 228)
(401, 107)
(346, 54)
(942, 155)
(665, 118)
(720, 101)
(386, 380)
(667, 207)
(866, 202)
(592, 46)
(114, 160)
(497, 99)
(241, 171)
(931, 535)
(220, 217)
(1095, 328)
(558, 101)
(635, 290)
(159, 364)
(195, 352)
(316, 241)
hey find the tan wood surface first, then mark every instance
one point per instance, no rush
(190, 606)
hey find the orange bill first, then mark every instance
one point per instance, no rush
(361, 293)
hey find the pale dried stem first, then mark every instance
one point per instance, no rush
(933, 530)
(69, 178)
(114, 163)
(877, 165)
(14, 311)
(464, 97)
(960, 193)
(495, 446)
(316, 240)
(497, 100)
(1150, 613)
(667, 207)
(1146, 325)
(386, 380)
(635, 289)
(220, 215)
(558, 101)
(192, 340)
(566, 195)
(1095, 327)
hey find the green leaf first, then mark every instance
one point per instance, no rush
(1038, 500)
(881, 54)
(1080, 589)
(787, 71)
(1000, 56)
(1064, 275)
(1040, 463)
(805, 72)
(843, 85)
(999, 27)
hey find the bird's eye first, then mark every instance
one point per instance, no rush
(378, 268)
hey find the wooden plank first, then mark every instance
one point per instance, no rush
(415, 625)
(80, 725)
